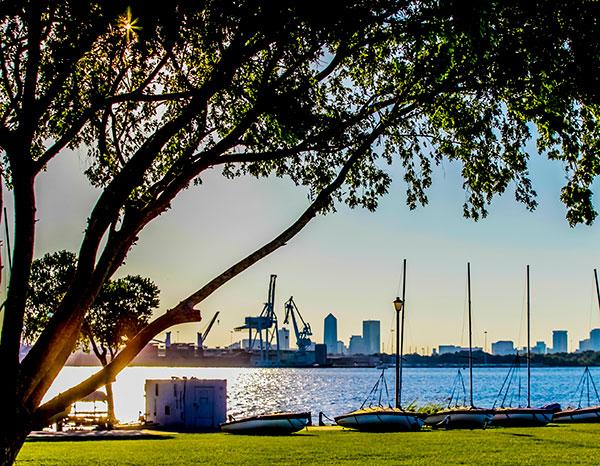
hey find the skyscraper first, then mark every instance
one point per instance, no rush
(595, 339)
(357, 345)
(559, 341)
(371, 336)
(330, 333)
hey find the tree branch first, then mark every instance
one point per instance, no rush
(107, 374)
(184, 311)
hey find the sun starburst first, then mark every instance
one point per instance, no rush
(129, 25)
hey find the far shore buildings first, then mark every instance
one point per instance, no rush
(451, 349)
(503, 348)
(356, 345)
(539, 348)
(330, 334)
(372, 336)
(560, 341)
(590, 344)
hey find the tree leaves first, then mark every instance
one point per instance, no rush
(121, 309)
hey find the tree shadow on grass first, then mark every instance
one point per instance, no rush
(94, 436)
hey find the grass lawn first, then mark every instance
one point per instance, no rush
(574, 444)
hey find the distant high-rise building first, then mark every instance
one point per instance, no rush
(284, 339)
(448, 349)
(372, 336)
(330, 333)
(584, 345)
(539, 348)
(356, 345)
(341, 348)
(503, 347)
(595, 339)
(559, 341)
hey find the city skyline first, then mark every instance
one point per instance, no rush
(349, 263)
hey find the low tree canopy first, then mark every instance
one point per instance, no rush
(158, 93)
(121, 309)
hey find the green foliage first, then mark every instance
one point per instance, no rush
(301, 89)
(50, 279)
(121, 309)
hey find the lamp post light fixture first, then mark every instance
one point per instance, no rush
(398, 305)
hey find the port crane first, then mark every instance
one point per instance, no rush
(265, 326)
(202, 336)
(302, 336)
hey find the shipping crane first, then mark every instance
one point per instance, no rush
(302, 340)
(202, 336)
(264, 326)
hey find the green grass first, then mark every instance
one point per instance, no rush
(573, 444)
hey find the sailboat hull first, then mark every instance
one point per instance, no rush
(460, 418)
(522, 417)
(591, 414)
(268, 424)
(381, 420)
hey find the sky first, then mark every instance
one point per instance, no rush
(349, 263)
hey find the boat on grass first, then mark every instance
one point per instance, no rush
(268, 424)
(382, 419)
(521, 416)
(462, 416)
(581, 413)
(379, 418)
(458, 414)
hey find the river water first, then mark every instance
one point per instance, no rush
(333, 391)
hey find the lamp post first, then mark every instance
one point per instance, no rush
(398, 305)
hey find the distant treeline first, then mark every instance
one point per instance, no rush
(586, 358)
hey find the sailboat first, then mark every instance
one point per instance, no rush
(466, 416)
(387, 418)
(268, 424)
(523, 416)
(587, 413)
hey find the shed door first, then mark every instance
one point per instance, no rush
(204, 399)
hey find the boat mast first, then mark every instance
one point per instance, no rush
(528, 343)
(399, 306)
(470, 335)
(597, 289)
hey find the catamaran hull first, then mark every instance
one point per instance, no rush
(473, 419)
(270, 424)
(591, 414)
(522, 417)
(381, 421)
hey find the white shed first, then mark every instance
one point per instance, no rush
(194, 404)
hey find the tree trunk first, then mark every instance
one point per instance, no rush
(14, 429)
(110, 401)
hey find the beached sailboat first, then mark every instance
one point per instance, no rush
(581, 413)
(387, 418)
(268, 424)
(520, 416)
(465, 416)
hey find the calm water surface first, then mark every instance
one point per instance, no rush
(333, 391)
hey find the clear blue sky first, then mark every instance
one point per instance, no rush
(349, 263)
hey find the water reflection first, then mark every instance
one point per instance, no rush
(333, 391)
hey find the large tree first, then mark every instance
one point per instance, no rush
(121, 309)
(160, 93)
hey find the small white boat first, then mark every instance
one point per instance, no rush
(525, 417)
(382, 419)
(460, 418)
(589, 414)
(268, 424)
